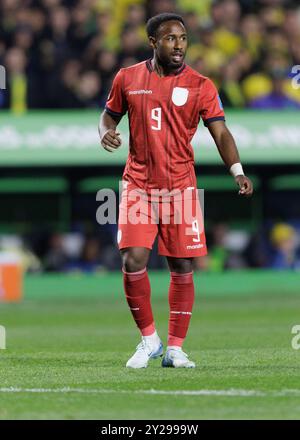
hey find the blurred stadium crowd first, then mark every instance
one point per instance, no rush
(277, 247)
(64, 53)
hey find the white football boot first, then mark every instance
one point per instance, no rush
(176, 358)
(145, 351)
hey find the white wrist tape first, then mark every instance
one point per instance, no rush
(236, 170)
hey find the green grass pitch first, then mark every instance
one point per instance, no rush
(68, 342)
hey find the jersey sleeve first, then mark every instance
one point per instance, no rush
(116, 104)
(211, 108)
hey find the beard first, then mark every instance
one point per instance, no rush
(168, 63)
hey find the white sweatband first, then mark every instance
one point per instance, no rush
(236, 169)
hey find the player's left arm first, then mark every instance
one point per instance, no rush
(230, 155)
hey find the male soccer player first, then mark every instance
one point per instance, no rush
(165, 100)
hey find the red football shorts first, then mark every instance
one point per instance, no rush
(176, 218)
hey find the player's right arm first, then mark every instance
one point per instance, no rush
(115, 108)
(109, 138)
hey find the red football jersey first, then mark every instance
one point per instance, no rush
(163, 113)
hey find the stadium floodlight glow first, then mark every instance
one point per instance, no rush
(2, 78)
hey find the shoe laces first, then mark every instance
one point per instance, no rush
(143, 346)
(181, 354)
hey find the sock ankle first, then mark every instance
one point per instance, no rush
(174, 347)
(175, 341)
(149, 330)
(152, 338)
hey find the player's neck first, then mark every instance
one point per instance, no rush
(162, 70)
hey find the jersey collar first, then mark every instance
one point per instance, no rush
(176, 72)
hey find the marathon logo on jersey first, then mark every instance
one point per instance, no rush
(194, 246)
(140, 92)
(180, 96)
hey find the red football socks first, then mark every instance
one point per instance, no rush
(137, 290)
(181, 300)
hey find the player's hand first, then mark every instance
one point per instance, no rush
(245, 184)
(111, 140)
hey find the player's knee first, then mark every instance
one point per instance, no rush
(133, 262)
(181, 265)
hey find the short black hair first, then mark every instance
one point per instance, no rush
(154, 22)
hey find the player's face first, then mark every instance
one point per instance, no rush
(170, 44)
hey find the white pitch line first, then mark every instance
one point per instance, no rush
(216, 393)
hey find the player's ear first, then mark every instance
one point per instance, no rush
(152, 42)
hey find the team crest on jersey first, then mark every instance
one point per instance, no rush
(180, 95)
